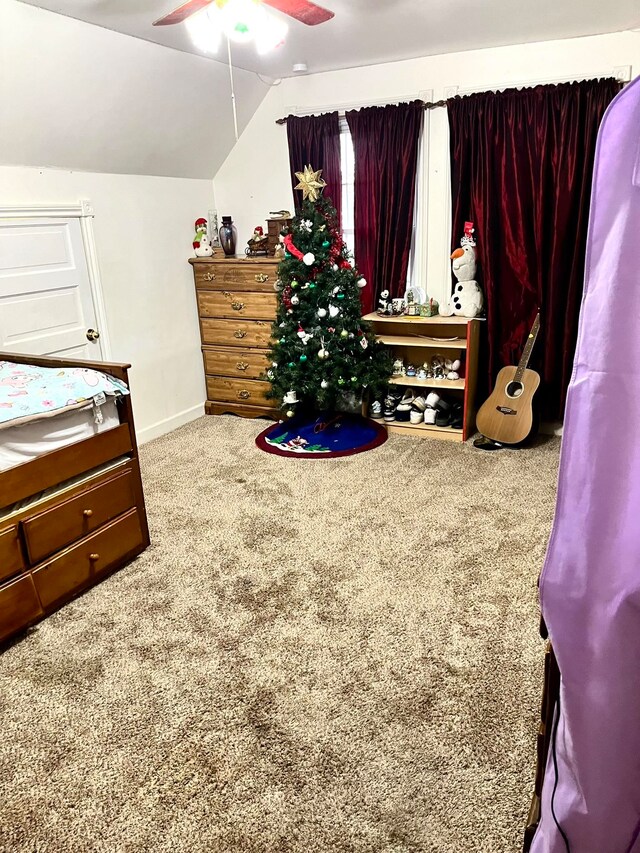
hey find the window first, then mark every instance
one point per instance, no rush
(348, 174)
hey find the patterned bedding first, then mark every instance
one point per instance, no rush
(28, 392)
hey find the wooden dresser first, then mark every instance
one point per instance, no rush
(237, 306)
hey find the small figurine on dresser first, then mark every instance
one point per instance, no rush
(201, 244)
(467, 299)
(257, 243)
(384, 304)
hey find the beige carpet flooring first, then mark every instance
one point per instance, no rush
(336, 655)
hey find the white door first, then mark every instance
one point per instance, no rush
(46, 306)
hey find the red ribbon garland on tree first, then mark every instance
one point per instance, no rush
(288, 244)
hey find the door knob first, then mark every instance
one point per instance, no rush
(92, 335)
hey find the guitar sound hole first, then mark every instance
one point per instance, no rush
(514, 389)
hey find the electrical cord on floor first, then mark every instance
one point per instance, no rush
(555, 771)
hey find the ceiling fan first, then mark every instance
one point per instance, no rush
(301, 10)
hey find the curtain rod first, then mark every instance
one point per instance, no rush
(427, 105)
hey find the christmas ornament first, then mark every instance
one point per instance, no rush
(306, 225)
(311, 183)
(283, 340)
(322, 353)
(324, 384)
(362, 282)
(325, 244)
(274, 364)
(289, 413)
(364, 343)
(294, 283)
(292, 364)
(290, 397)
(309, 259)
(291, 249)
(270, 374)
(354, 379)
(303, 358)
(336, 290)
(341, 296)
(341, 381)
(335, 267)
(333, 311)
(331, 329)
(295, 300)
(322, 312)
(344, 334)
(277, 284)
(312, 284)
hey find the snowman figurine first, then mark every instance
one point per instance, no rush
(201, 243)
(467, 299)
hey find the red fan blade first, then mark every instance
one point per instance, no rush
(301, 10)
(182, 13)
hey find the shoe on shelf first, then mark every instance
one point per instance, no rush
(389, 413)
(456, 416)
(406, 402)
(432, 399)
(419, 403)
(375, 410)
(416, 416)
(429, 416)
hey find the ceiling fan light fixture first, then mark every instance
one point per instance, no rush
(205, 30)
(241, 19)
(271, 34)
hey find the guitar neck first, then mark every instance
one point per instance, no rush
(528, 347)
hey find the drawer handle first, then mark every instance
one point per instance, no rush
(94, 557)
(209, 276)
(239, 333)
(87, 513)
(244, 395)
(242, 365)
(237, 306)
(261, 278)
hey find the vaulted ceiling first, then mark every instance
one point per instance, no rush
(365, 32)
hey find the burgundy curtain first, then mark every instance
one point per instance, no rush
(521, 166)
(385, 143)
(315, 141)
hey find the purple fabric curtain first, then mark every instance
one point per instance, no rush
(385, 142)
(590, 585)
(521, 165)
(315, 141)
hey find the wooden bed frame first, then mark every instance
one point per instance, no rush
(54, 548)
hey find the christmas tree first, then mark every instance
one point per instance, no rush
(323, 350)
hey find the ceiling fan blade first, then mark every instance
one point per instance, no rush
(182, 13)
(301, 10)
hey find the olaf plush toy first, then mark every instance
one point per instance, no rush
(467, 299)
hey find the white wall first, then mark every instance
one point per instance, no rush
(143, 228)
(78, 96)
(250, 195)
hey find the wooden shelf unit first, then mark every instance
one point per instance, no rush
(452, 337)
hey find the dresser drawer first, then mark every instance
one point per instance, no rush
(11, 562)
(19, 606)
(236, 333)
(239, 275)
(250, 391)
(87, 559)
(54, 528)
(247, 364)
(227, 303)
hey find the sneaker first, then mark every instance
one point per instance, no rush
(389, 413)
(375, 410)
(429, 416)
(416, 416)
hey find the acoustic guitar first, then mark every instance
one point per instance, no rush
(507, 416)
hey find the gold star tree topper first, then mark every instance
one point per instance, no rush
(311, 183)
